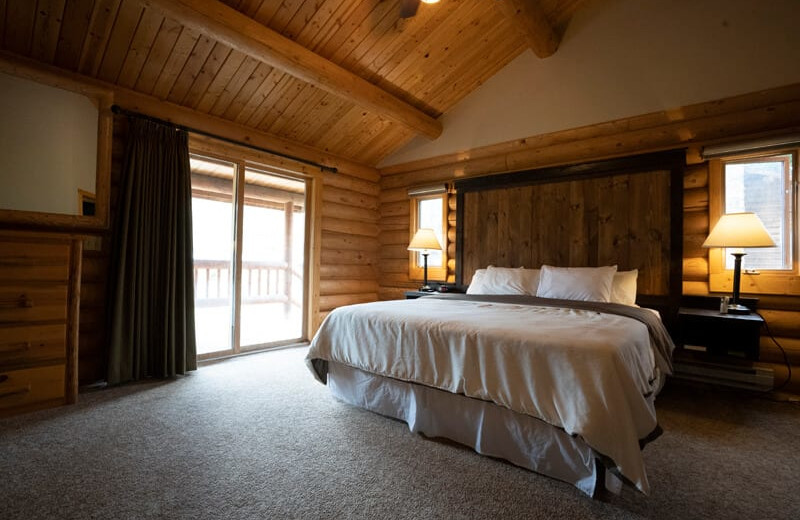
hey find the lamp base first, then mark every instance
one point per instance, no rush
(735, 308)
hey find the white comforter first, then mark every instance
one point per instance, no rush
(591, 374)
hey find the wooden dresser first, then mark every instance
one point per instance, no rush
(39, 302)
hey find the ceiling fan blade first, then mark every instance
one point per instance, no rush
(408, 8)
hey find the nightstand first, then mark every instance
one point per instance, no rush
(721, 334)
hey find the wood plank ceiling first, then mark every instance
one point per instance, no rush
(428, 62)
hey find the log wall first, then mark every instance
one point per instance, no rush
(349, 243)
(737, 118)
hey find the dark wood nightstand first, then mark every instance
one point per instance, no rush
(720, 334)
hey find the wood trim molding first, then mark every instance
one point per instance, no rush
(229, 26)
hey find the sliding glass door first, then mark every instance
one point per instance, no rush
(249, 256)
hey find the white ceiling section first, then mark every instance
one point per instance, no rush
(621, 58)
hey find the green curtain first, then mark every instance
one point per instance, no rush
(151, 280)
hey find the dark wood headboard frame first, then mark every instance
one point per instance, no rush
(672, 161)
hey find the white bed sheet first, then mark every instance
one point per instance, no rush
(488, 429)
(592, 374)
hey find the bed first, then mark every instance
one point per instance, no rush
(561, 387)
(554, 369)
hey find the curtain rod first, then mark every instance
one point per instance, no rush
(119, 110)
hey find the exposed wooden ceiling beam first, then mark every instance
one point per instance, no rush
(232, 28)
(530, 19)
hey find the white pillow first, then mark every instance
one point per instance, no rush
(623, 287)
(504, 280)
(476, 285)
(577, 283)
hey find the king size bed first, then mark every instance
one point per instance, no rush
(553, 369)
(564, 388)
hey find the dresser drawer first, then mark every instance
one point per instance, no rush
(23, 260)
(30, 303)
(32, 344)
(27, 388)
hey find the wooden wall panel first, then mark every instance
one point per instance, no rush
(622, 220)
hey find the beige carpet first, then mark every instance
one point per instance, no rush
(257, 437)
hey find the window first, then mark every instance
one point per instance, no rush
(429, 210)
(765, 184)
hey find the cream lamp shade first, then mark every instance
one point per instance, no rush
(739, 230)
(424, 240)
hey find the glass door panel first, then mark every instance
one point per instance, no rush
(213, 239)
(273, 261)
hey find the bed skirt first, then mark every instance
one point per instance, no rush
(487, 428)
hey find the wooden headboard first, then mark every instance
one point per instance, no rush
(626, 211)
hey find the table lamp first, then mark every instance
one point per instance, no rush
(738, 230)
(424, 241)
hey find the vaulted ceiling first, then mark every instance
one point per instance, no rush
(350, 77)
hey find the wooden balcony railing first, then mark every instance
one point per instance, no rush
(262, 282)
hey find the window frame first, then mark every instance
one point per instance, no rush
(720, 279)
(415, 270)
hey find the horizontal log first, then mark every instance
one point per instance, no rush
(696, 176)
(390, 251)
(695, 199)
(330, 302)
(343, 256)
(695, 288)
(451, 218)
(347, 272)
(398, 280)
(451, 250)
(329, 287)
(779, 302)
(321, 317)
(770, 352)
(351, 242)
(693, 246)
(394, 237)
(349, 197)
(346, 212)
(353, 227)
(394, 209)
(394, 223)
(452, 203)
(394, 266)
(695, 223)
(347, 182)
(782, 323)
(765, 111)
(451, 235)
(392, 293)
(695, 269)
(393, 195)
